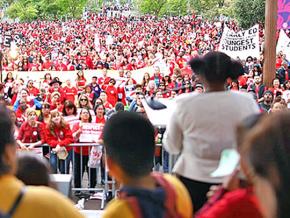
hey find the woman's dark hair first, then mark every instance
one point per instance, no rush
(267, 148)
(6, 137)
(99, 105)
(6, 79)
(44, 105)
(216, 67)
(88, 110)
(69, 104)
(33, 170)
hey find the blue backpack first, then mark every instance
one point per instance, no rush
(14, 206)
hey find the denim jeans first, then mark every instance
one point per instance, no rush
(62, 165)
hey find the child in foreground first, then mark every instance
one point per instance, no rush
(129, 143)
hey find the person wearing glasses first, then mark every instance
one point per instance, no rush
(84, 102)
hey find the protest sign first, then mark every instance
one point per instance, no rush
(240, 44)
(283, 44)
(7, 40)
(71, 120)
(91, 132)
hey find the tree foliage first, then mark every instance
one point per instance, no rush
(27, 10)
(249, 12)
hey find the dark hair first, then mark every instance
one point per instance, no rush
(267, 148)
(216, 67)
(69, 104)
(6, 136)
(247, 124)
(90, 116)
(33, 170)
(119, 106)
(129, 141)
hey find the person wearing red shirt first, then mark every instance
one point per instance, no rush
(80, 81)
(31, 132)
(112, 92)
(104, 97)
(100, 112)
(104, 80)
(47, 63)
(58, 136)
(70, 92)
(276, 87)
(33, 91)
(82, 152)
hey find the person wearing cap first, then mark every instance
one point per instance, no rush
(202, 125)
(267, 102)
(55, 86)
(198, 88)
(31, 132)
(34, 202)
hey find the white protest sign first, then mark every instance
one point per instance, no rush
(91, 132)
(283, 44)
(71, 120)
(240, 44)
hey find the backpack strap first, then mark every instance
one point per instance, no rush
(170, 199)
(16, 202)
(133, 203)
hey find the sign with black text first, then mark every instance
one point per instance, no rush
(240, 44)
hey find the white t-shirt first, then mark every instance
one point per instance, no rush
(203, 125)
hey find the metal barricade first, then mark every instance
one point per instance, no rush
(76, 164)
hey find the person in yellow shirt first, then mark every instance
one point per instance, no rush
(129, 143)
(18, 200)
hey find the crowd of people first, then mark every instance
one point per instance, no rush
(53, 112)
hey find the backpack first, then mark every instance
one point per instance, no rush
(14, 206)
(170, 210)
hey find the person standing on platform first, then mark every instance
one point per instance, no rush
(203, 125)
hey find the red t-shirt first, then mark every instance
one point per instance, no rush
(70, 93)
(29, 134)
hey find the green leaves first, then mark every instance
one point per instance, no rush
(24, 10)
(249, 12)
(27, 10)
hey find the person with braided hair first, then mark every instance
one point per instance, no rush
(266, 152)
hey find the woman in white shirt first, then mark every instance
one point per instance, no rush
(203, 125)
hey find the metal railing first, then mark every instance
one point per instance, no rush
(97, 180)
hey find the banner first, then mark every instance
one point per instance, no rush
(283, 21)
(38, 76)
(283, 44)
(91, 132)
(241, 44)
